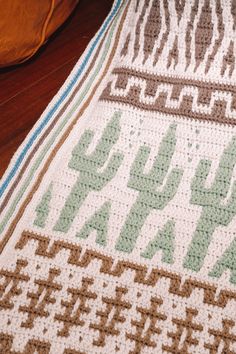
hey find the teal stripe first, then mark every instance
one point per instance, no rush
(59, 129)
(60, 100)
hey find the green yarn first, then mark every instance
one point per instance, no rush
(99, 222)
(88, 165)
(84, 90)
(163, 241)
(149, 198)
(226, 262)
(43, 208)
(215, 212)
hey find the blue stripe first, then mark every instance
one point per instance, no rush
(60, 100)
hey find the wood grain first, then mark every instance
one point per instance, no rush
(25, 90)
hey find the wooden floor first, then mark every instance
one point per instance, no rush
(25, 90)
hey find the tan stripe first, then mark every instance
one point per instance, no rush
(50, 127)
(62, 140)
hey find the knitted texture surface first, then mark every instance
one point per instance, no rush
(118, 212)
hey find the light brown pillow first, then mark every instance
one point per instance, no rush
(26, 24)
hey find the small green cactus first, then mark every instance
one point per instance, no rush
(149, 197)
(226, 263)
(99, 222)
(42, 209)
(90, 179)
(215, 211)
(164, 242)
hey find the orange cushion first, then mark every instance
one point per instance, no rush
(26, 24)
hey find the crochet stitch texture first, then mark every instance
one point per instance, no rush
(118, 212)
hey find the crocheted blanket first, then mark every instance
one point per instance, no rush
(118, 212)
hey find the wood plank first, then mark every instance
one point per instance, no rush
(27, 89)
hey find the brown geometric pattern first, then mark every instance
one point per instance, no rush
(72, 317)
(211, 295)
(184, 327)
(134, 315)
(10, 287)
(126, 190)
(196, 43)
(32, 346)
(170, 95)
(143, 336)
(223, 337)
(114, 306)
(41, 298)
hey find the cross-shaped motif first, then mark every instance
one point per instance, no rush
(110, 316)
(183, 338)
(41, 298)
(75, 307)
(146, 326)
(222, 337)
(12, 279)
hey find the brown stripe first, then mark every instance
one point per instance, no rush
(179, 7)
(173, 53)
(137, 5)
(62, 140)
(175, 80)
(50, 127)
(166, 34)
(188, 37)
(218, 41)
(229, 60)
(203, 33)
(185, 109)
(233, 13)
(138, 29)
(78, 257)
(125, 48)
(152, 29)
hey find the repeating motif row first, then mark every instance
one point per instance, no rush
(183, 37)
(155, 190)
(122, 311)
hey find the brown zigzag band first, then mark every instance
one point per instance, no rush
(141, 275)
(190, 98)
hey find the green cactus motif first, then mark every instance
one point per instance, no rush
(99, 222)
(149, 197)
(226, 262)
(90, 178)
(163, 241)
(42, 209)
(215, 210)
